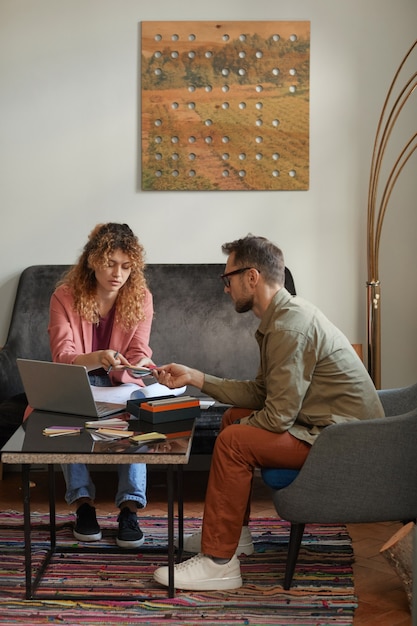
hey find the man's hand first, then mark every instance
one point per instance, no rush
(175, 375)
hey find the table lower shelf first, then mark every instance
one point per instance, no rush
(33, 579)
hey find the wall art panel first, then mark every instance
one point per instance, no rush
(225, 105)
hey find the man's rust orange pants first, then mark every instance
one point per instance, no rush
(239, 449)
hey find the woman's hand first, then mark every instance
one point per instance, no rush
(102, 358)
(112, 360)
(146, 362)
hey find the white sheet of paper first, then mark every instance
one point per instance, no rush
(122, 393)
(119, 393)
(156, 389)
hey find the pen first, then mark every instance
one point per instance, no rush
(116, 354)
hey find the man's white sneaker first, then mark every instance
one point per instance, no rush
(192, 543)
(201, 573)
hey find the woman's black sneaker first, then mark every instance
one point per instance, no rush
(86, 526)
(129, 534)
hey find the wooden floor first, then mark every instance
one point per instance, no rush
(382, 600)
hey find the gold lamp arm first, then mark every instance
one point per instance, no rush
(377, 210)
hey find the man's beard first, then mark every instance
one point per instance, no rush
(243, 306)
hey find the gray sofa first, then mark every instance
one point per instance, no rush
(194, 323)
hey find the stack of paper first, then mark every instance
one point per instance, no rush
(108, 433)
(108, 429)
(115, 423)
(184, 401)
(57, 431)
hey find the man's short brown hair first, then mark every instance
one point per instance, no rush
(260, 253)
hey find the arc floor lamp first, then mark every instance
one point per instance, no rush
(401, 90)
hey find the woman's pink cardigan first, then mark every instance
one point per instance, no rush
(70, 335)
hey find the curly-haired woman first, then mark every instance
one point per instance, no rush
(100, 317)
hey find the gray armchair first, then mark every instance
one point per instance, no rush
(361, 472)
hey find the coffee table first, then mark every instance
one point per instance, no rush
(29, 446)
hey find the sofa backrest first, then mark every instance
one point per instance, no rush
(194, 323)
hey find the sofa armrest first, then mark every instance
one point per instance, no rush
(10, 383)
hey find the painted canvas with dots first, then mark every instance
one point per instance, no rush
(225, 105)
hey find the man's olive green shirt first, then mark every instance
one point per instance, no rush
(309, 375)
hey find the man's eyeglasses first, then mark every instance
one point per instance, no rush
(225, 277)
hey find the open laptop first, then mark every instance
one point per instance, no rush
(62, 388)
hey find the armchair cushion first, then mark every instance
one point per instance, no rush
(278, 478)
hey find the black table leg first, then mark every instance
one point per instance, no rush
(180, 507)
(52, 516)
(31, 585)
(26, 525)
(180, 519)
(170, 487)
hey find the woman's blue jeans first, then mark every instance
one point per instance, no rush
(132, 478)
(132, 483)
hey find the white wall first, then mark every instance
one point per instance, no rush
(70, 153)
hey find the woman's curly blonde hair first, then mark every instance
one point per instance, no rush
(103, 240)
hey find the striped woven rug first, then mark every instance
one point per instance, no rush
(322, 592)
